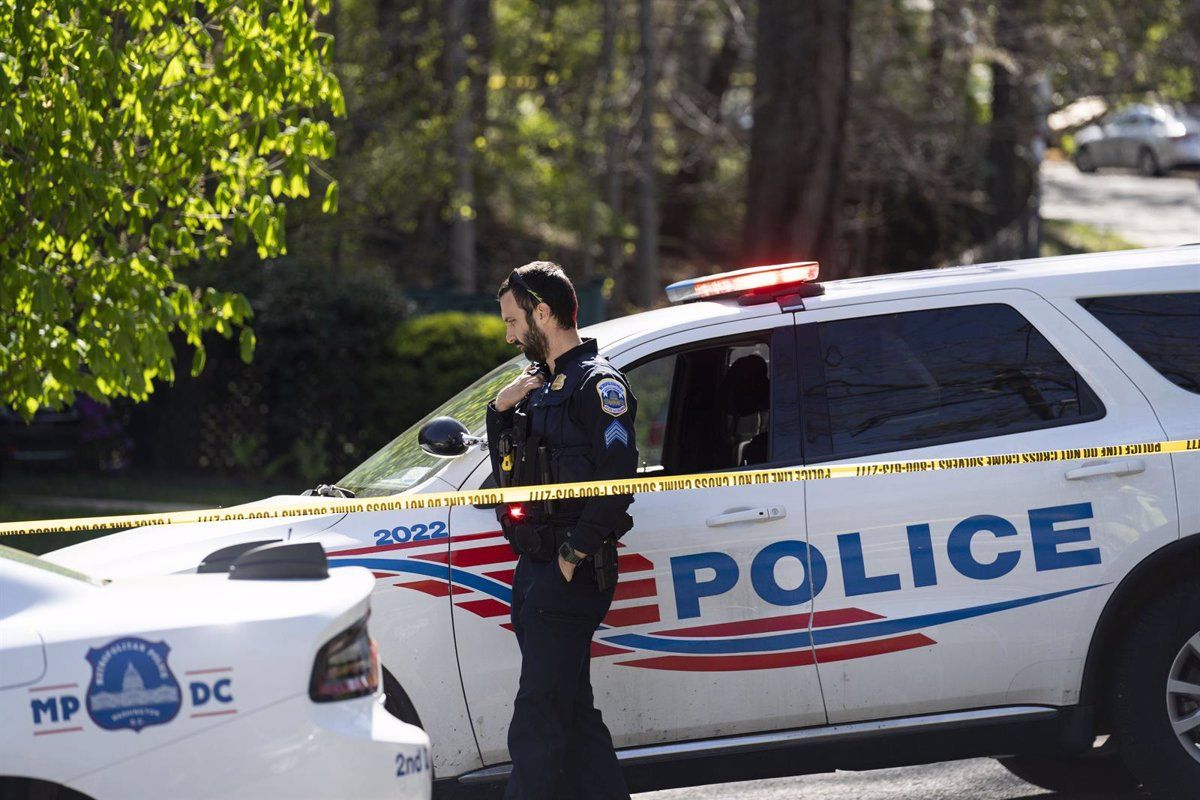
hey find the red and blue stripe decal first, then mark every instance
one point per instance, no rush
(478, 579)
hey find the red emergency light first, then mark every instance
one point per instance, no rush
(769, 279)
(516, 511)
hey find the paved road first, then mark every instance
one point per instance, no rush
(1150, 212)
(976, 779)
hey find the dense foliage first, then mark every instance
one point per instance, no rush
(136, 139)
(148, 151)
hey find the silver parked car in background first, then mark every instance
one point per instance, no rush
(1151, 138)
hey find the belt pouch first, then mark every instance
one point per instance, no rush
(535, 541)
(604, 564)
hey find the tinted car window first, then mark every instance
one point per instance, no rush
(1164, 329)
(899, 381)
(704, 408)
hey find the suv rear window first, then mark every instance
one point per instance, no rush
(921, 378)
(1164, 329)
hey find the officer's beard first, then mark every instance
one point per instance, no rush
(534, 344)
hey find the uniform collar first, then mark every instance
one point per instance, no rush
(576, 354)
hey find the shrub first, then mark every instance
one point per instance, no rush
(439, 354)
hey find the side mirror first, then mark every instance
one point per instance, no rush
(446, 437)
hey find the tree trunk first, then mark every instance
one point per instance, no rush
(801, 95)
(462, 193)
(645, 285)
(602, 162)
(683, 195)
(614, 253)
(1191, 23)
(1011, 175)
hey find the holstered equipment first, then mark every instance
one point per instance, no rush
(604, 564)
(527, 531)
(536, 541)
(605, 560)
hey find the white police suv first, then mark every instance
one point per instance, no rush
(257, 680)
(1045, 611)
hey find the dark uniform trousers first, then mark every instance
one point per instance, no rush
(560, 746)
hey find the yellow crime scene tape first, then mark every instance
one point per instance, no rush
(575, 491)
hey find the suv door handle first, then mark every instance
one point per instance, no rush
(1130, 466)
(733, 515)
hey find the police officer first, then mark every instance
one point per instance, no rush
(567, 418)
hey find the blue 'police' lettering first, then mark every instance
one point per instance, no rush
(854, 572)
(762, 573)
(958, 547)
(1047, 540)
(1045, 534)
(689, 588)
(920, 551)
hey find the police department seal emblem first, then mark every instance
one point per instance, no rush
(132, 685)
(612, 397)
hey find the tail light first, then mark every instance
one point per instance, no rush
(346, 667)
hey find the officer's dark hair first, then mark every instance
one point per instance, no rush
(543, 282)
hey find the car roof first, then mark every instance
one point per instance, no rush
(1085, 274)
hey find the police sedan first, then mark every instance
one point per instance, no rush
(1026, 611)
(257, 679)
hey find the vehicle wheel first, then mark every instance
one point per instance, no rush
(1084, 161)
(33, 789)
(396, 701)
(1155, 693)
(1099, 771)
(1148, 164)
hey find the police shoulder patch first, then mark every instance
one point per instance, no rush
(612, 397)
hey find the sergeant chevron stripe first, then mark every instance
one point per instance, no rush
(615, 432)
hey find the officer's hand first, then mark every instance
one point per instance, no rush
(567, 568)
(516, 391)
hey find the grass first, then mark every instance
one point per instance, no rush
(159, 487)
(1062, 237)
(35, 496)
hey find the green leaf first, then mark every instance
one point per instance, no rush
(127, 117)
(246, 344)
(329, 204)
(198, 359)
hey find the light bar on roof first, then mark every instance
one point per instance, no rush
(752, 280)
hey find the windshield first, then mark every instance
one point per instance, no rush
(33, 561)
(402, 463)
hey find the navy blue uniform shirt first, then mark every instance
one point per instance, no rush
(584, 413)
